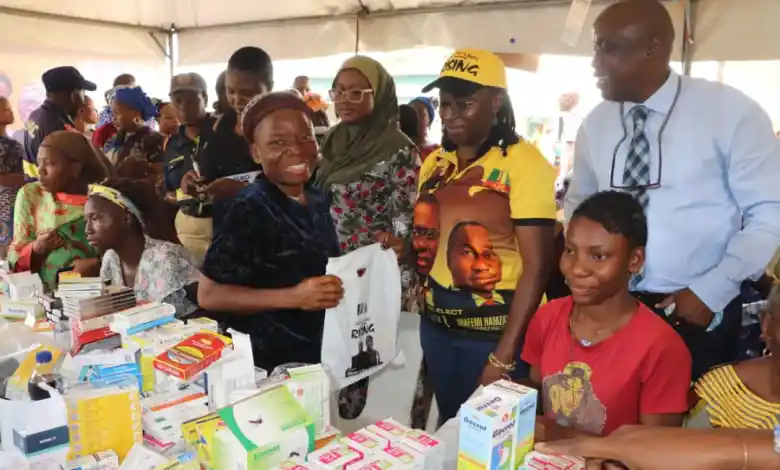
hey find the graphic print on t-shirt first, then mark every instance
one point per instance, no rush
(571, 400)
(464, 240)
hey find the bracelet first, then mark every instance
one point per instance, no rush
(500, 365)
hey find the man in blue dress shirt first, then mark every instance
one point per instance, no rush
(703, 160)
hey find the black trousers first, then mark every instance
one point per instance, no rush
(708, 349)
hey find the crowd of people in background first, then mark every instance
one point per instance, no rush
(612, 309)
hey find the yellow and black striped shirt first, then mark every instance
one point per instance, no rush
(725, 402)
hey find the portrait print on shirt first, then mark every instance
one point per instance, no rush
(572, 401)
(467, 250)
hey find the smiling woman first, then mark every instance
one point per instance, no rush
(601, 358)
(265, 269)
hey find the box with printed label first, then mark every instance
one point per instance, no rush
(487, 433)
(364, 441)
(336, 456)
(539, 461)
(525, 399)
(384, 464)
(294, 464)
(431, 448)
(390, 430)
(106, 460)
(192, 355)
(263, 431)
(405, 455)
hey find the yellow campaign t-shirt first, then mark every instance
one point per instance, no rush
(464, 231)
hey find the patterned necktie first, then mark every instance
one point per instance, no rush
(637, 171)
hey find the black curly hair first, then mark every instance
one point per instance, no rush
(156, 222)
(619, 213)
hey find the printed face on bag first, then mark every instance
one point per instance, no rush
(471, 258)
(425, 232)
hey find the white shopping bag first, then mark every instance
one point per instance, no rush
(361, 334)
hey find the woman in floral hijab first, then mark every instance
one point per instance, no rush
(370, 169)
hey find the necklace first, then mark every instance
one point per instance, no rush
(600, 334)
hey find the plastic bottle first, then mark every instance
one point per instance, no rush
(43, 362)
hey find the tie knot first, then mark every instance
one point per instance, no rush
(639, 114)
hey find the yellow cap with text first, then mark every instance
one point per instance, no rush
(475, 66)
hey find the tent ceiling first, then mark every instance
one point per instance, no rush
(200, 13)
(210, 30)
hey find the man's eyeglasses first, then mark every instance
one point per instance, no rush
(651, 184)
(354, 95)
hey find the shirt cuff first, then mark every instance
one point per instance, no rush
(715, 291)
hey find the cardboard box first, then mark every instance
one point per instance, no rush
(294, 464)
(263, 431)
(488, 426)
(538, 461)
(337, 456)
(106, 460)
(525, 400)
(192, 355)
(389, 430)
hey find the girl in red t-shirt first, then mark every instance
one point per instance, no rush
(600, 357)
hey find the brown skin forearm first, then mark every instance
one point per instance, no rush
(12, 180)
(535, 244)
(668, 420)
(242, 300)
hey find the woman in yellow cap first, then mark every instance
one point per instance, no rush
(496, 212)
(49, 226)
(370, 169)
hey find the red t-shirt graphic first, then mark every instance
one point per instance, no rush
(643, 368)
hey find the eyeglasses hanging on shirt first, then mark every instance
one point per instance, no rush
(651, 184)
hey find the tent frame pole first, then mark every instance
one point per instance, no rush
(688, 36)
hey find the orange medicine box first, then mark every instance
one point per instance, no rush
(192, 355)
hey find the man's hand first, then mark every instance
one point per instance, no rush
(689, 307)
(224, 188)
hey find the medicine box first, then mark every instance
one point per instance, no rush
(192, 355)
(525, 398)
(106, 460)
(539, 461)
(488, 425)
(337, 456)
(365, 442)
(263, 431)
(389, 430)
(294, 464)
(431, 448)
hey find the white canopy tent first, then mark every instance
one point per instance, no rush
(208, 31)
